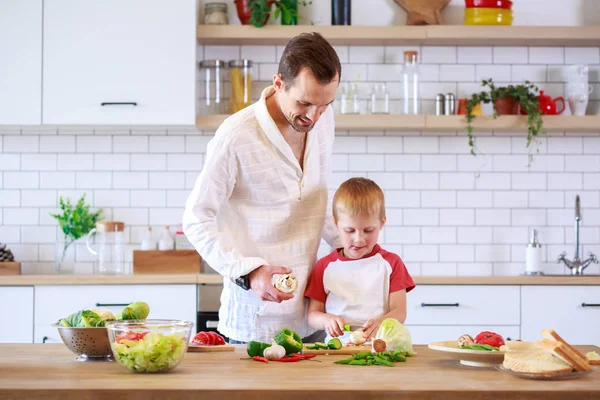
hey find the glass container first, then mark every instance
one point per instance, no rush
(240, 77)
(213, 97)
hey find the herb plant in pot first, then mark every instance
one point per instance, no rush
(257, 12)
(75, 221)
(508, 100)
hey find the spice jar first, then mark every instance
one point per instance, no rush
(216, 14)
(240, 76)
(213, 98)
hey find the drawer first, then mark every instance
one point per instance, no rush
(463, 305)
(16, 308)
(165, 301)
(572, 311)
(422, 334)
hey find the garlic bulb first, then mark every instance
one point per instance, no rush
(274, 352)
(357, 337)
(285, 283)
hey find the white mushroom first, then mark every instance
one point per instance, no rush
(357, 337)
(285, 283)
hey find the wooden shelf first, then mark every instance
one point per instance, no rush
(433, 123)
(434, 35)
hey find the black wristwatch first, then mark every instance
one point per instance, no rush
(243, 282)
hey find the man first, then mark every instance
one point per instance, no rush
(259, 206)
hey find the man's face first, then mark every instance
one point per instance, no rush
(305, 100)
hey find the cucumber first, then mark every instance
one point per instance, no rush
(334, 344)
(321, 345)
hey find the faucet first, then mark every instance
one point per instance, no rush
(577, 266)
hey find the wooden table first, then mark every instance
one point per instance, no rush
(49, 371)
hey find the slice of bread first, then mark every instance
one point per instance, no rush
(593, 358)
(517, 345)
(551, 334)
(535, 361)
(564, 352)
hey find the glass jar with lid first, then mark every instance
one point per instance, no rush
(212, 101)
(240, 76)
(216, 14)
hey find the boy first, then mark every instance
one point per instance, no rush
(359, 284)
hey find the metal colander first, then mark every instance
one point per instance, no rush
(87, 343)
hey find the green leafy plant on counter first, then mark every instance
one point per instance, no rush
(286, 8)
(75, 221)
(524, 94)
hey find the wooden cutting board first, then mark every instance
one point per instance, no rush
(209, 349)
(345, 350)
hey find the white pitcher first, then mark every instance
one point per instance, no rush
(110, 247)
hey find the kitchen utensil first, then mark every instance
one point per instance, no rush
(345, 350)
(488, 16)
(110, 250)
(150, 345)
(506, 4)
(472, 358)
(196, 348)
(547, 376)
(550, 106)
(89, 344)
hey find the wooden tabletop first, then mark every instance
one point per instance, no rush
(49, 371)
(215, 279)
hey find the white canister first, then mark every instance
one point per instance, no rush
(533, 256)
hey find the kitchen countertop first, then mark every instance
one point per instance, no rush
(24, 374)
(211, 279)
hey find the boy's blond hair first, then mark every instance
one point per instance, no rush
(358, 196)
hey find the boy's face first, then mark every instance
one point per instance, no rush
(359, 234)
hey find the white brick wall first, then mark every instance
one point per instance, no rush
(449, 213)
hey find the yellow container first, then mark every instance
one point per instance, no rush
(240, 76)
(488, 16)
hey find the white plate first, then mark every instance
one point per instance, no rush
(472, 358)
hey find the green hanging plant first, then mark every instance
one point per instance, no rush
(525, 96)
(260, 10)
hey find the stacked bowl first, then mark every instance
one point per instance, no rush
(488, 12)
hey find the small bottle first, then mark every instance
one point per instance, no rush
(380, 100)
(533, 257)
(147, 242)
(410, 84)
(166, 241)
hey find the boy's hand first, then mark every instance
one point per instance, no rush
(334, 325)
(370, 328)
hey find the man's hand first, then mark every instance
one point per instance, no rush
(260, 283)
(334, 325)
(371, 327)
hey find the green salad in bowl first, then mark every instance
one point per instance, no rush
(151, 345)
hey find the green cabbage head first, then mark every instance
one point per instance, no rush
(137, 310)
(396, 336)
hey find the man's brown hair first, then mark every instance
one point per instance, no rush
(312, 51)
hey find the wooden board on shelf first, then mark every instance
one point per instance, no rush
(166, 262)
(402, 35)
(10, 268)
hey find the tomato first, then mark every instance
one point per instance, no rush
(491, 338)
(130, 336)
(201, 338)
(218, 338)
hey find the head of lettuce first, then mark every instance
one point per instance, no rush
(396, 336)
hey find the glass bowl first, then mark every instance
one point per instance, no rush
(149, 345)
(89, 344)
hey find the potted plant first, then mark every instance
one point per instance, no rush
(75, 221)
(257, 12)
(511, 99)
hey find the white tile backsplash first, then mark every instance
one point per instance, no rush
(449, 213)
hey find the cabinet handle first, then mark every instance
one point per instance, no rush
(126, 103)
(44, 339)
(112, 304)
(589, 305)
(439, 304)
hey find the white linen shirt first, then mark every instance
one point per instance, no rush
(253, 205)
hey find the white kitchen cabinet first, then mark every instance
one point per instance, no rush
(165, 301)
(119, 62)
(16, 308)
(463, 305)
(572, 311)
(425, 334)
(20, 62)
